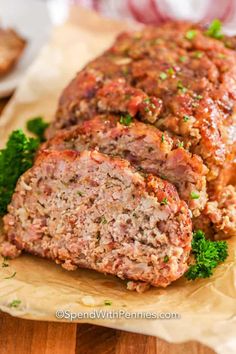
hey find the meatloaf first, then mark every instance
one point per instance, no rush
(146, 147)
(11, 49)
(173, 76)
(176, 78)
(94, 211)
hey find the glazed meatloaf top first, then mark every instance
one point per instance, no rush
(173, 76)
(146, 147)
(90, 210)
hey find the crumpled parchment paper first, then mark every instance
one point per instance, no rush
(207, 307)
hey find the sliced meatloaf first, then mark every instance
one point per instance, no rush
(146, 147)
(173, 76)
(218, 219)
(90, 210)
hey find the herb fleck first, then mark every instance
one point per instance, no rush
(103, 220)
(180, 144)
(15, 303)
(162, 138)
(37, 126)
(171, 71)
(186, 118)
(80, 194)
(181, 87)
(164, 201)
(198, 54)
(190, 34)
(126, 120)
(107, 302)
(214, 30)
(166, 258)
(194, 195)
(163, 76)
(183, 59)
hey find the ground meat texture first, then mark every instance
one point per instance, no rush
(146, 147)
(193, 81)
(218, 219)
(90, 210)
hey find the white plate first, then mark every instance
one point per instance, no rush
(32, 20)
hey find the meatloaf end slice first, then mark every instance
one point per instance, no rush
(146, 148)
(93, 211)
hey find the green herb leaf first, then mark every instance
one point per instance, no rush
(208, 254)
(164, 201)
(107, 302)
(15, 303)
(162, 138)
(15, 159)
(37, 126)
(214, 30)
(183, 59)
(103, 220)
(163, 76)
(186, 118)
(181, 87)
(80, 194)
(194, 195)
(126, 120)
(198, 54)
(180, 144)
(166, 258)
(170, 71)
(191, 34)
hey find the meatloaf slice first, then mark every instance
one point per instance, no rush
(90, 210)
(146, 147)
(218, 218)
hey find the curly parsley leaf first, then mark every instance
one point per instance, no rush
(214, 30)
(37, 126)
(208, 254)
(15, 159)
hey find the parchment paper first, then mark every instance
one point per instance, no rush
(207, 307)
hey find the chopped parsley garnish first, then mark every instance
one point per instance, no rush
(191, 34)
(181, 87)
(103, 220)
(80, 194)
(166, 258)
(214, 30)
(198, 54)
(183, 59)
(146, 100)
(194, 195)
(198, 97)
(180, 144)
(164, 201)
(107, 302)
(15, 159)
(186, 118)
(221, 56)
(15, 303)
(126, 120)
(163, 76)
(170, 71)
(162, 138)
(37, 126)
(208, 254)
(11, 276)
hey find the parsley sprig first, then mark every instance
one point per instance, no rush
(208, 254)
(15, 159)
(214, 30)
(37, 126)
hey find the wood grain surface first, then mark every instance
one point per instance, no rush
(33, 337)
